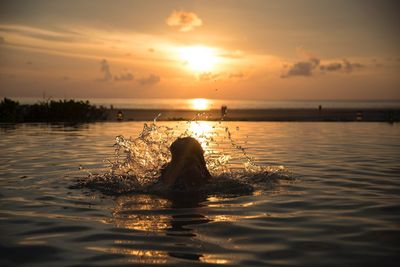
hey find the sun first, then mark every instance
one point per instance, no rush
(199, 58)
(199, 103)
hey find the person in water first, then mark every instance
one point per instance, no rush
(187, 169)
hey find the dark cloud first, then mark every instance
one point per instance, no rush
(29, 63)
(345, 66)
(105, 70)
(151, 50)
(302, 68)
(309, 68)
(108, 76)
(124, 77)
(152, 79)
(66, 78)
(186, 21)
(331, 67)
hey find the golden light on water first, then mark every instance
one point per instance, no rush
(200, 128)
(140, 255)
(199, 58)
(202, 131)
(141, 222)
(213, 259)
(200, 104)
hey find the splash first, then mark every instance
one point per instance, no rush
(137, 162)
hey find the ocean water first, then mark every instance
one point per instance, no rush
(204, 104)
(339, 205)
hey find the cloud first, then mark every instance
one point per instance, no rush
(331, 67)
(58, 35)
(105, 70)
(208, 76)
(349, 67)
(311, 64)
(302, 68)
(186, 21)
(345, 66)
(150, 80)
(2, 40)
(124, 77)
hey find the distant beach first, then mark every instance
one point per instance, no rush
(250, 110)
(211, 104)
(199, 109)
(296, 114)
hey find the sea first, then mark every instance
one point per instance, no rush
(306, 194)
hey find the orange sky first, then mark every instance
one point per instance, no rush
(272, 50)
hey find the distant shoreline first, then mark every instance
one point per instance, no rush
(73, 111)
(283, 114)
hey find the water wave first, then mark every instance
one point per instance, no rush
(137, 162)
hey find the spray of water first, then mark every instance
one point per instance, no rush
(137, 162)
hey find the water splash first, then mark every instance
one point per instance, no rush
(137, 162)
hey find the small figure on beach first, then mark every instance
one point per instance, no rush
(187, 169)
(359, 115)
(223, 111)
(120, 116)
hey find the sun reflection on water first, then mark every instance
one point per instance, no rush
(138, 219)
(140, 255)
(203, 131)
(213, 259)
(200, 128)
(200, 104)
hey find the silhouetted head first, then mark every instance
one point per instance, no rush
(186, 148)
(187, 168)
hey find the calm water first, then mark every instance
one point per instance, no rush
(342, 210)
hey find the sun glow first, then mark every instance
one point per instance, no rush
(199, 58)
(202, 131)
(200, 128)
(200, 104)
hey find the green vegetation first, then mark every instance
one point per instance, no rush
(51, 111)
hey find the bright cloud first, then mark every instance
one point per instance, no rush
(186, 21)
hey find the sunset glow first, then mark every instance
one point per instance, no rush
(200, 103)
(258, 50)
(199, 58)
(199, 132)
(200, 127)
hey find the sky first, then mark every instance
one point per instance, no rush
(221, 49)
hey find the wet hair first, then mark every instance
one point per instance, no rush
(187, 168)
(187, 148)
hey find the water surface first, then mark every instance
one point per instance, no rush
(343, 208)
